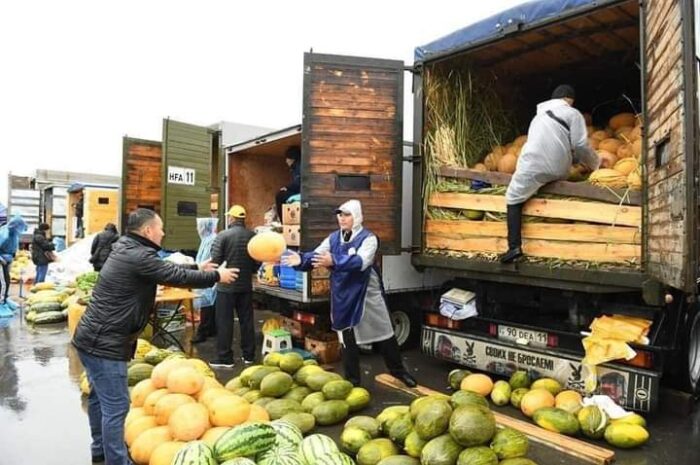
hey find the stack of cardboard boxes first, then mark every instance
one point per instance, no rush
(291, 228)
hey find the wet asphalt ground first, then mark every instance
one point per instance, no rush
(43, 416)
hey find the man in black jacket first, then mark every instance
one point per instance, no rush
(118, 312)
(231, 246)
(102, 246)
(42, 249)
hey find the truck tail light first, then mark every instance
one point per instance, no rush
(643, 359)
(552, 340)
(306, 318)
(493, 329)
(435, 319)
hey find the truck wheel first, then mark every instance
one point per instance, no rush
(691, 351)
(407, 327)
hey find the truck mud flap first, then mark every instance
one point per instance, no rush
(631, 387)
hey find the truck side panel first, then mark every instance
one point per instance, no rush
(669, 220)
(352, 144)
(141, 176)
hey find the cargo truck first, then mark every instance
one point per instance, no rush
(532, 314)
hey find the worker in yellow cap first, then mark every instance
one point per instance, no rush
(231, 246)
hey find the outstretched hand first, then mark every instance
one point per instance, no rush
(291, 259)
(322, 260)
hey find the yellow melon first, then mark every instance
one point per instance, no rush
(609, 145)
(600, 135)
(634, 180)
(267, 246)
(167, 405)
(626, 165)
(213, 434)
(166, 452)
(608, 178)
(189, 422)
(160, 373)
(536, 399)
(185, 380)
(209, 383)
(622, 119)
(138, 426)
(593, 143)
(228, 411)
(507, 163)
(144, 445)
(258, 413)
(569, 400)
(149, 405)
(214, 393)
(202, 367)
(477, 382)
(141, 391)
(607, 159)
(133, 414)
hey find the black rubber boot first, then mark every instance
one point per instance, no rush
(515, 220)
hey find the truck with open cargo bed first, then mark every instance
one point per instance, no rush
(598, 251)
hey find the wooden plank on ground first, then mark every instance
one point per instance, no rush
(566, 188)
(587, 251)
(565, 444)
(592, 212)
(462, 229)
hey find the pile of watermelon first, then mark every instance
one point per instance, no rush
(553, 408)
(299, 391)
(276, 443)
(435, 430)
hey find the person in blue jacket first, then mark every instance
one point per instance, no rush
(206, 298)
(358, 309)
(9, 243)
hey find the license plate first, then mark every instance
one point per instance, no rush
(511, 333)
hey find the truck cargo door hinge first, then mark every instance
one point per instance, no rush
(415, 159)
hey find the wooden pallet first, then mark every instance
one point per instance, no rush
(565, 241)
(564, 444)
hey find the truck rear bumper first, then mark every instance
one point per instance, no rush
(631, 387)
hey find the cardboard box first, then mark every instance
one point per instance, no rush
(325, 347)
(296, 328)
(292, 235)
(320, 287)
(291, 213)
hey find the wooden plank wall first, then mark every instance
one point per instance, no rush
(666, 238)
(352, 126)
(141, 176)
(97, 214)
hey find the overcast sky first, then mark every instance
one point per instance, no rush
(76, 76)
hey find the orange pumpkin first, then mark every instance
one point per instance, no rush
(147, 442)
(607, 159)
(609, 145)
(534, 400)
(636, 133)
(520, 141)
(480, 167)
(185, 380)
(189, 422)
(168, 404)
(621, 120)
(601, 135)
(477, 382)
(228, 411)
(267, 246)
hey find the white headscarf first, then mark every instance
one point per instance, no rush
(354, 207)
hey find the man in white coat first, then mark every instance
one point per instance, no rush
(557, 138)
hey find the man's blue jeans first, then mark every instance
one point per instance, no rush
(108, 404)
(41, 273)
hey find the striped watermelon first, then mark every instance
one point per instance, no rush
(239, 461)
(315, 446)
(194, 453)
(288, 434)
(335, 458)
(245, 441)
(283, 455)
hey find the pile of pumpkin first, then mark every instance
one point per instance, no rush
(551, 407)
(619, 147)
(435, 430)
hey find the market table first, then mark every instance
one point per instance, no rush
(168, 296)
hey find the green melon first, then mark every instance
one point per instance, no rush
(365, 423)
(593, 421)
(424, 402)
(472, 426)
(257, 377)
(434, 421)
(399, 460)
(291, 362)
(479, 455)
(557, 420)
(245, 375)
(509, 444)
(358, 399)
(280, 407)
(375, 451)
(518, 461)
(304, 421)
(312, 400)
(462, 398)
(500, 394)
(263, 401)
(272, 359)
(517, 396)
(331, 412)
(414, 444)
(519, 379)
(353, 438)
(400, 429)
(337, 389)
(389, 415)
(442, 450)
(316, 381)
(276, 384)
(298, 393)
(138, 372)
(306, 371)
(626, 435)
(252, 395)
(455, 378)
